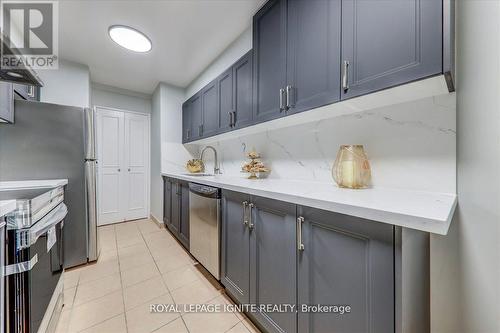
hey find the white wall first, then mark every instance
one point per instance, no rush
(167, 152)
(228, 57)
(68, 85)
(156, 195)
(468, 292)
(112, 97)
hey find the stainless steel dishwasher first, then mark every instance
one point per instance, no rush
(204, 226)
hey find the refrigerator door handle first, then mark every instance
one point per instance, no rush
(90, 153)
(90, 182)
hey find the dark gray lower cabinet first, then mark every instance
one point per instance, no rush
(387, 43)
(345, 261)
(273, 261)
(275, 252)
(6, 102)
(176, 209)
(235, 245)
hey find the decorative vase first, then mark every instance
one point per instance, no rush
(351, 168)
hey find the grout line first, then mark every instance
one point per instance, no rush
(121, 283)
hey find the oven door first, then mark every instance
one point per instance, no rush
(35, 259)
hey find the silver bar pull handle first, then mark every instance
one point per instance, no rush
(245, 219)
(282, 102)
(345, 76)
(251, 225)
(234, 118)
(31, 91)
(289, 97)
(300, 245)
(20, 267)
(230, 114)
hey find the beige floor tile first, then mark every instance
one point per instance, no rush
(129, 241)
(114, 325)
(144, 291)
(96, 311)
(132, 250)
(224, 299)
(172, 263)
(195, 292)
(132, 261)
(69, 297)
(99, 270)
(141, 320)
(108, 255)
(239, 328)
(210, 322)
(177, 326)
(148, 226)
(180, 277)
(88, 291)
(71, 278)
(139, 274)
(250, 326)
(64, 319)
(159, 239)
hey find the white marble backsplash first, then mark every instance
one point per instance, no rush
(411, 146)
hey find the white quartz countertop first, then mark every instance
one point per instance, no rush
(7, 206)
(425, 211)
(29, 184)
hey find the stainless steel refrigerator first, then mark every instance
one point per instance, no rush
(50, 141)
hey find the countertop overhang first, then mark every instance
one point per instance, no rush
(32, 184)
(6, 206)
(425, 211)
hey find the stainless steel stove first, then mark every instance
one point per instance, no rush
(34, 259)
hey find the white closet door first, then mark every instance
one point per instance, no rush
(137, 165)
(110, 173)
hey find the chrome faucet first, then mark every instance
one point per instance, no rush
(216, 163)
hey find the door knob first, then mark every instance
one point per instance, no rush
(119, 170)
(129, 169)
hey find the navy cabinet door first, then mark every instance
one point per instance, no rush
(210, 110)
(6, 102)
(186, 122)
(386, 43)
(346, 261)
(313, 53)
(226, 100)
(235, 246)
(184, 218)
(195, 117)
(273, 257)
(243, 87)
(167, 201)
(269, 43)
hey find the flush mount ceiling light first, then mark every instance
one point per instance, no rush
(129, 38)
(14, 74)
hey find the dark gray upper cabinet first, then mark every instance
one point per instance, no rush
(269, 53)
(6, 102)
(210, 110)
(235, 246)
(386, 43)
(273, 261)
(313, 54)
(186, 122)
(195, 117)
(243, 85)
(226, 100)
(346, 261)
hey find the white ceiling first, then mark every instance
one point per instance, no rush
(187, 35)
